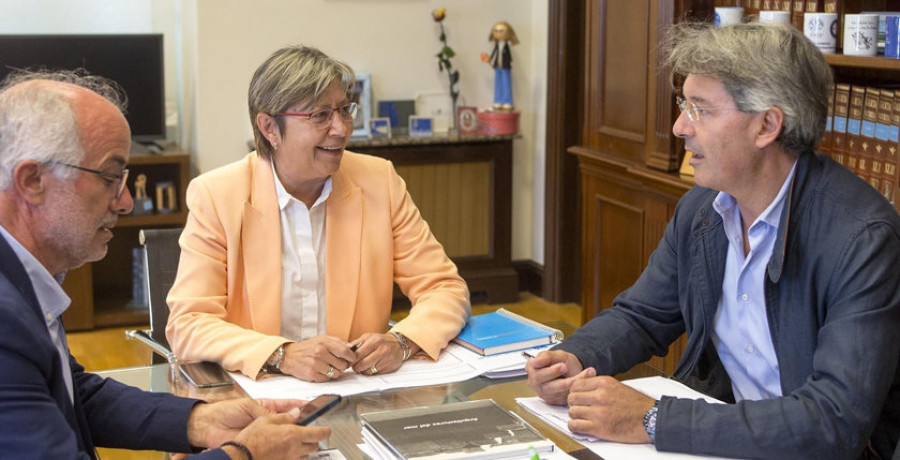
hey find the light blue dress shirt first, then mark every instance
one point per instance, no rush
(742, 336)
(53, 301)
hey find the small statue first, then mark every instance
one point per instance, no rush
(503, 36)
(142, 202)
(140, 187)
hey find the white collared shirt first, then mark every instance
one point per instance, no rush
(741, 333)
(53, 301)
(302, 263)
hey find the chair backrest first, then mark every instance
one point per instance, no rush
(160, 266)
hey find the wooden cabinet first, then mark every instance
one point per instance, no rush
(102, 292)
(463, 188)
(628, 155)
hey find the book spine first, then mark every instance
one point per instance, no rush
(854, 125)
(797, 10)
(788, 5)
(557, 334)
(867, 151)
(892, 162)
(825, 145)
(813, 6)
(882, 130)
(839, 129)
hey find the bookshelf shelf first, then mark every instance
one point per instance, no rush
(102, 292)
(872, 63)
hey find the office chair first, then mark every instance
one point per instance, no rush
(161, 253)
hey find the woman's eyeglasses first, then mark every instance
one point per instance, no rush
(322, 118)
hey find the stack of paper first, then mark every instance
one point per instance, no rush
(655, 387)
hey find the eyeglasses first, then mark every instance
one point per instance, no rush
(119, 178)
(692, 110)
(322, 118)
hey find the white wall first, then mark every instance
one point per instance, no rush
(213, 47)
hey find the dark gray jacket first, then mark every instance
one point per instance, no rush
(833, 302)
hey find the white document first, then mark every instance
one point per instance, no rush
(655, 387)
(454, 365)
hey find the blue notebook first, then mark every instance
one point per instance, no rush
(504, 331)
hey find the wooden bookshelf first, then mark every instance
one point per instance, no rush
(102, 291)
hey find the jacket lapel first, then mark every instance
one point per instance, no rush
(11, 268)
(261, 245)
(343, 227)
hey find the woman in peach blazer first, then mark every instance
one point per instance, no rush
(226, 303)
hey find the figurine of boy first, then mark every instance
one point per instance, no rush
(503, 36)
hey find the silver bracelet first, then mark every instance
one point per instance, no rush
(404, 344)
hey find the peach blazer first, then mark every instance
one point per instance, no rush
(226, 301)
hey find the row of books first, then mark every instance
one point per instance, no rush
(862, 133)
(796, 7)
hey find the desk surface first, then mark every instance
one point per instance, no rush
(344, 420)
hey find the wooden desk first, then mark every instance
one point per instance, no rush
(344, 420)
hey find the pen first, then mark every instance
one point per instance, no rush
(355, 346)
(528, 354)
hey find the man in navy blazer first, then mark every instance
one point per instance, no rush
(780, 266)
(64, 145)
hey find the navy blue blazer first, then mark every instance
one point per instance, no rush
(37, 418)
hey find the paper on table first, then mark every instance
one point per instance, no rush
(655, 387)
(454, 365)
(413, 373)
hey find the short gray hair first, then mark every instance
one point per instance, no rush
(761, 66)
(39, 124)
(292, 75)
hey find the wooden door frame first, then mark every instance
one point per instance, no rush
(565, 114)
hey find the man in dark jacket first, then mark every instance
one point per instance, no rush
(780, 265)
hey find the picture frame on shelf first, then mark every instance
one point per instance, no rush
(363, 97)
(439, 106)
(467, 120)
(421, 126)
(380, 128)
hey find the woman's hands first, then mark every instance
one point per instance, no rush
(380, 353)
(324, 357)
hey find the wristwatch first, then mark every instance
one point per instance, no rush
(404, 344)
(650, 422)
(273, 364)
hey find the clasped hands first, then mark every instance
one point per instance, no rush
(324, 357)
(600, 406)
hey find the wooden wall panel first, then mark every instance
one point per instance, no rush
(450, 197)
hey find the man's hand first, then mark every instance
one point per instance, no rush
(267, 428)
(606, 408)
(318, 359)
(552, 373)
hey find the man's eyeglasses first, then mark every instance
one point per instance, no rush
(119, 178)
(322, 118)
(693, 112)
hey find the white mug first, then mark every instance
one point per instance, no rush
(861, 34)
(821, 29)
(775, 16)
(728, 15)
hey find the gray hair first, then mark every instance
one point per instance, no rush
(761, 66)
(292, 75)
(39, 124)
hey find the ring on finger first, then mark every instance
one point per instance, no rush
(330, 372)
(374, 369)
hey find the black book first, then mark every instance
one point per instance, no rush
(472, 430)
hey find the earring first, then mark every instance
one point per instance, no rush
(274, 145)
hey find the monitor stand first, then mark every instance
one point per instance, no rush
(145, 148)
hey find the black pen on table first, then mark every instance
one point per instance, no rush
(528, 354)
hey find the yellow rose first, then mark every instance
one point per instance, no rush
(438, 14)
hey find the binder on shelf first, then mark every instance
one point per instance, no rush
(854, 126)
(471, 430)
(867, 150)
(839, 129)
(825, 145)
(882, 133)
(504, 331)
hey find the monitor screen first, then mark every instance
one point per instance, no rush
(133, 61)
